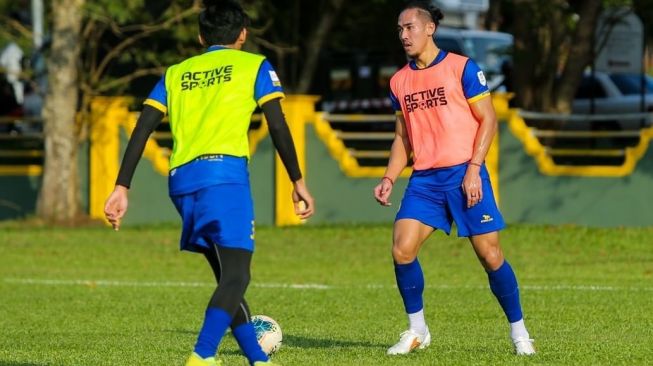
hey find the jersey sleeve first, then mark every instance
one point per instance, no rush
(268, 85)
(396, 106)
(474, 82)
(158, 97)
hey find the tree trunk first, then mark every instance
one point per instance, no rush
(524, 57)
(579, 56)
(314, 45)
(493, 16)
(59, 197)
(540, 37)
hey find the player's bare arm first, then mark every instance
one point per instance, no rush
(399, 155)
(484, 113)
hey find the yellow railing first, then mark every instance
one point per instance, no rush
(544, 156)
(109, 115)
(23, 169)
(345, 157)
(348, 158)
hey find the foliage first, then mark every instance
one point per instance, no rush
(127, 40)
(280, 30)
(283, 30)
(15, 17)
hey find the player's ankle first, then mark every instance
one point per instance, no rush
(518, 330)
(418, 329)
(416, 322)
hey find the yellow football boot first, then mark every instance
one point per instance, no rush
(196, 360)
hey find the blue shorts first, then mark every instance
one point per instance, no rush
(425, 202)
(221, 214)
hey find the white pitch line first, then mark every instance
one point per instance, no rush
(107, 283)
(297, 286)
(118, 283)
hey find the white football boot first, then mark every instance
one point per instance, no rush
(410, 340)
(523, 346)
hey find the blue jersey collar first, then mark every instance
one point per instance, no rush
(441, 55)
(216, 48)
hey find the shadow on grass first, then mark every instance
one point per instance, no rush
(7, 363)
(180, 331)
(307, 342)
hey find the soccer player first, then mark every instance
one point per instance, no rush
(209, 99)
(446, 120)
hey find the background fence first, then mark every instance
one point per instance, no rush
(545, 168)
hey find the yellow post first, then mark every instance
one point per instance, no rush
(298, 110)
(502, 110)
(492, 164)
(106, 116)
(501, 102)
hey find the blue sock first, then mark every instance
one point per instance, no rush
(246, 337)
(216, 322)
(410, 281)
(503, 284)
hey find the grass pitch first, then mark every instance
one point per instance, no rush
(97, 297)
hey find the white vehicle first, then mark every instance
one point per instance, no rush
(489, 49)
(605, 102)
(614, 94)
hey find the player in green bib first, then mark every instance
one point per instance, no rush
(210, 99)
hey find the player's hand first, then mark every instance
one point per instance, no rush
(116, 206)
(472, 186)
(382, 192)
(302, 199)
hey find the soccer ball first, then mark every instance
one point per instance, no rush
(268, 333)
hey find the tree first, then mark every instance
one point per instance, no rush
(65, 115)
(106, 47)
(554, 44)
(58, 198)
(294, 32)
(554, 39)
(114, 43)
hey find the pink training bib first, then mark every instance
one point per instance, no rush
(439, 121)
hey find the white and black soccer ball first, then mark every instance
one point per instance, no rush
(268, 333)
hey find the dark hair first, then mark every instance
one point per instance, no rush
(433, 11)
(221, 21)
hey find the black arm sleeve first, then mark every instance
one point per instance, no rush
(148, 120)
(281, 138)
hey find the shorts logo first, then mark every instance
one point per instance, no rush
(173, 172)
(251, 236)
(481, 78)
(486, 218)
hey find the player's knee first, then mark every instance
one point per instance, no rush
(403, 254)
(236, 282)
(492, 259)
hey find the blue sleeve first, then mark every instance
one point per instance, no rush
(158, 97)
(268, 85)
(396, 106)
(474, 82)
